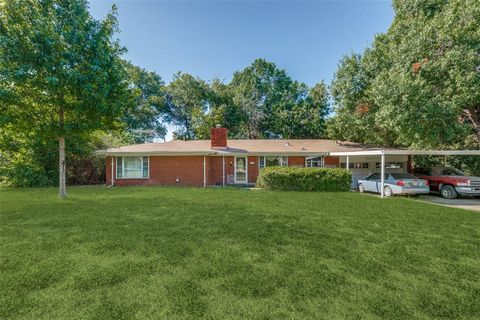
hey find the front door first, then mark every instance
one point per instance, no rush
(241, 170)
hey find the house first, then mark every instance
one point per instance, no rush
(220, 161)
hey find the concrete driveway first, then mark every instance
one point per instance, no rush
(464, 203)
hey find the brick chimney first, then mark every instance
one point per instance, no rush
(218, 137)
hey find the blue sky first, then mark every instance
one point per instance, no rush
(215, 38)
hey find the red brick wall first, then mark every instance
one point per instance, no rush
(165, 171)
(189, 170)
(332, 161)
(216, 171)
(296, 161)
(108, 177)
(229, 168)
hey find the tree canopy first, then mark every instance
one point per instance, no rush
(187, 101)
(61, 72)
(143, 118)
(417, 85)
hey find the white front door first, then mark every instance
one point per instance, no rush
(241, 170)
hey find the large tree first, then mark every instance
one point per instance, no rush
(418, 84)
(273, 105)
(304, 116)
(187, 103)
(143, 118)
(60, 71)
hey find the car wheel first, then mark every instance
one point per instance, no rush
(448, 192)
(387, 191)
(361, 189)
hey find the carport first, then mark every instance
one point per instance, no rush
(383, 153)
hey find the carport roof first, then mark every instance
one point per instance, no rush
(408, 152)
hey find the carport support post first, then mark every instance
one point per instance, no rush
(382, 174)
(347, 164)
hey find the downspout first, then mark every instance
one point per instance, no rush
(223, 171)
(204, 171)
(111, 178)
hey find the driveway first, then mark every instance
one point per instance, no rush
(464, 203)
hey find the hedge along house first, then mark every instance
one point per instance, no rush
(221, 162)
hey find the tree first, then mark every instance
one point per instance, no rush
(418, 85)
(143, 119)
(272, 105)
(60, 71)
(257, 90)
(304, 117)
(187, 102)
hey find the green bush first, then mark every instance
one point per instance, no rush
(304, 179)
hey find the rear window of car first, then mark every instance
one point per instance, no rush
(423, 171)
(403, 176)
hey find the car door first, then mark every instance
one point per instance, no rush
(371, 182)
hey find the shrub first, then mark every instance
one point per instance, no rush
(304, 179)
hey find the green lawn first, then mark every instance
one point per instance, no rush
(174, 253)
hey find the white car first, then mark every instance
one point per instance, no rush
(395, 183)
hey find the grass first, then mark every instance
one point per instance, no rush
(173, 253)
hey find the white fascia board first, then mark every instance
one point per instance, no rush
(408, 152)
(358, 153)
(157, 154)
(279, 153)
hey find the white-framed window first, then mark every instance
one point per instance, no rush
(355, 165)
(312, 162)
(390, 165)
(132, 167)
(269, 161)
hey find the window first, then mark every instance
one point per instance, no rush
(269, 161)
(377, 176)
(423, 171)
(315, 161)
(355, 165)
(390, 165)
(132, 167)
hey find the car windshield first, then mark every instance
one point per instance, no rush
(452, 172)
(403, 176)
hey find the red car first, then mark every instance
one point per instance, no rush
(450, 182)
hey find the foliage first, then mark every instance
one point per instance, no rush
(30, 160)
(304, 179)
(143, 118)
(272, 105)
(470, 165)
(60, 71)
(116, 253)
(187, 101)
(418, 85)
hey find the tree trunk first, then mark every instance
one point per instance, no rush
(62, 186)
(473, 115)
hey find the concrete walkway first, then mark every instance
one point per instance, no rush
(464, 203)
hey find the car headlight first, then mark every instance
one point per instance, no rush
(463, 184)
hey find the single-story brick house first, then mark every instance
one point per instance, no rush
(220, 162)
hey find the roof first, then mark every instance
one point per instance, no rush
(277, 146)
(407, 152)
